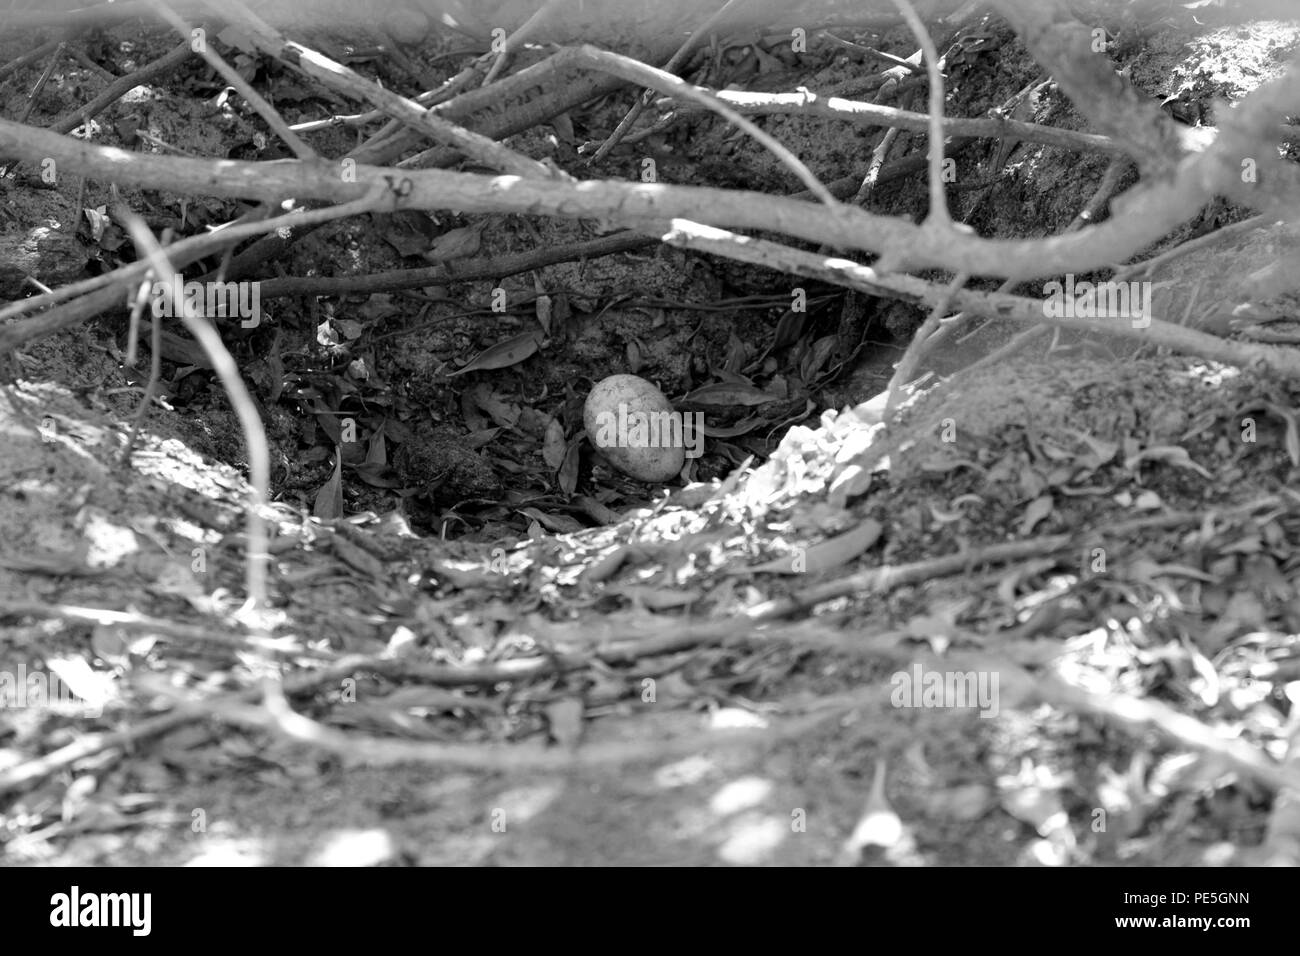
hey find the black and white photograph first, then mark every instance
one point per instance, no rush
(729, 434)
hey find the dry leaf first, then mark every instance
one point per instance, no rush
(329, 500)
(827, 554)
(502, 355)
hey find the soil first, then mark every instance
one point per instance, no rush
(511, 653)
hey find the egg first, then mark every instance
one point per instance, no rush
(634, 427)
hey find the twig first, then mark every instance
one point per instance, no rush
(1184, 730)
(1063, 46)
(526, 29)
(926, 337)
(29, 773)
(938, 198)
(155, 357)
(362, 750)
(263, 108)
(1145, 217)
(157, 625)
(29, 57)
(1200, 242)
(339, 77)
(457, 271)
(80, 56)
(632, 70)
(872, 51)
(878, 157)
(259, 455)
(40, 83)
(875, 114)
(120, 87)
(103, 292)
(690, 235)
(672, 66)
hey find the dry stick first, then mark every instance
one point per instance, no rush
(634, 71)
(478, 193)
(104, 14)
(267, 180)
(1109, 185)
(31, 57)
(843, 189)
(453, 89)
(363, 750)
(40, 83)
(1110, 181)
(928, 338)
(33, 771)
(120, 87)
(1249, 127)
(338, 77)
(80, 56)
(1200, 242)
(457, 270)
(860, 113)
(878, 157)
(1147, 216)
(938, 198)
(1137, 715)
(381, 149)
(872, 51)
(674, 63)
(407, 113)
(1064, 47)
(882, 579)
(922, 342)
(259, 455)
(102, 292)
(143, 622)
(686, 234)
(378, 751)
(155, 353)
(263, 108)
(436, 98)
(520, 36)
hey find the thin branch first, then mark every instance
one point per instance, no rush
(259, 455)
(242, 86)
(938, 198)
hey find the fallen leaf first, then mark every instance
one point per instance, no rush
(329, 500)
(502, 355)
(457, 243)
(554, 447)
(825, 555)
(725, 393)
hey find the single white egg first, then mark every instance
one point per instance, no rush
(635, 428)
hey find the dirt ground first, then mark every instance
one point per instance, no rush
(507, 652)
